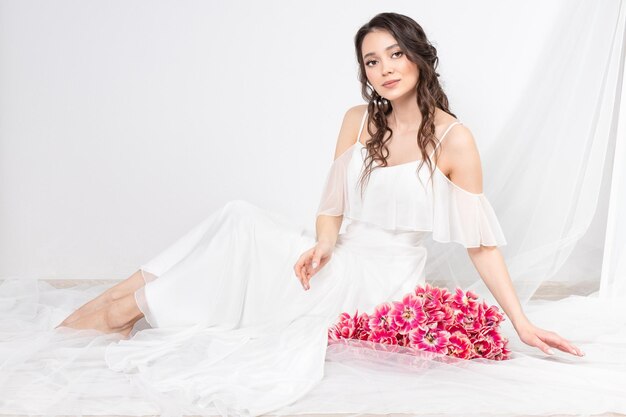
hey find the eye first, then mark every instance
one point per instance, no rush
(367, 63)
(397, 52)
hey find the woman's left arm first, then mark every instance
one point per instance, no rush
(490, 264)
(465, 170)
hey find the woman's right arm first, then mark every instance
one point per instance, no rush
(327, 225)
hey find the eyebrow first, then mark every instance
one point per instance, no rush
(386, 49)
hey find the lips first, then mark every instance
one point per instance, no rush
(390, 83)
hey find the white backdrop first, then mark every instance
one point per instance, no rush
(122, 124)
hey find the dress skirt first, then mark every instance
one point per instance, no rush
(241, 332)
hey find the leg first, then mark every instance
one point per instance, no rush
(121, 289)
(118, 316)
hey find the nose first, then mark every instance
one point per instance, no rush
(386, 67)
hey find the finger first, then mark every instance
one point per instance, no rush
(307, 278)
(542, 345)
(303, 280)
(571, 349)
(301, 264)
(298, 269)
(561, 343)
(298, 266)
(565, 346)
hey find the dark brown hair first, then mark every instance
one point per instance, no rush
(417, 48)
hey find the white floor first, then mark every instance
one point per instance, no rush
(551, 291)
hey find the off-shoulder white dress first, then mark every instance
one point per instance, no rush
(263, 337)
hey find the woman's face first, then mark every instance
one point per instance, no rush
(384, 61)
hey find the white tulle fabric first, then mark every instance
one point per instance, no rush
(400, 197)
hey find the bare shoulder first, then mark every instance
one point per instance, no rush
(459, 158)
(357, 111)
(349, 128)
(459, 142)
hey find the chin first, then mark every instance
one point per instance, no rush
(401, 96)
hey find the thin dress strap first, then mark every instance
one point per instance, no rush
(362, 124)
(444, 136)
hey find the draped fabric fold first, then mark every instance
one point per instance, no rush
(547, 171)
(334, 198)
(463, 217)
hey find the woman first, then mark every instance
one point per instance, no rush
(397, 64)
(240, 305)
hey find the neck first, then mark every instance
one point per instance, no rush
(406, 115)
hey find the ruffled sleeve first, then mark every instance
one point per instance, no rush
(334, 198)
(462, 216)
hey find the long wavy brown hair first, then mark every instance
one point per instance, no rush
(418, 49)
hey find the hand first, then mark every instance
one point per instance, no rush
(543, 339)
(312, 261)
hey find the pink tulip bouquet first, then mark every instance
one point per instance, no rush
(429, 319)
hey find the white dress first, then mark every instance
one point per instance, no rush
(263, 338)
(228, 327)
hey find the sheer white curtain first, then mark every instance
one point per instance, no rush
(613, 278)
(544, 173)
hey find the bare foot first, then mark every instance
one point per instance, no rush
(121, 289)
(97, 320)
(88, 308)
(118, 316)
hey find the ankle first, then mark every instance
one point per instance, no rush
(121, 313)
(115, 317)
(114, 294)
